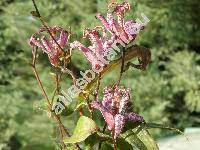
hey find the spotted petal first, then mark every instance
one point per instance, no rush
(119, 124)
(89, 54)
(133, 117)
(132, 27)
(106, 114)
(124, 100)
(63, 39)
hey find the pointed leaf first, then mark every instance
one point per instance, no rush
(84, 128)
(140, 139)
(160, 126)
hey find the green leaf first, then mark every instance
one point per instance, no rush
(130, 125)
(106, 146)
(121, 144)
(140, 139)
(91, 141)
(67, 111)
(71, 148)
(138, 136)
(84, 128)
(160, 126)
(106, 140)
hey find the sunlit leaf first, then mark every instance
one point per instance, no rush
(160, 126)
(84, 128)
(140, 139)
(71, 148)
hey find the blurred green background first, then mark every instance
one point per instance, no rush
(167, 93)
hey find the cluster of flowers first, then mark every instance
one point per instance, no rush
(116, 99)
(118, 28)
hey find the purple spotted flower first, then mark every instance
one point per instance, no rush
(48, 44)
(113, 108)
(119, 27)
(100, 44)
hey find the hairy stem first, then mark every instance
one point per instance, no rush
(62, 138)
(113, 140)
(61, 126)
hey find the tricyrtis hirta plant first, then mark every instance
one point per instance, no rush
(113, 109)
(111, 46)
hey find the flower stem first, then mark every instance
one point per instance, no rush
(97, 88)
(113, 140)
(61, 126)
(122, 66)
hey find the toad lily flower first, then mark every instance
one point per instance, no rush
(100, 45)
(113, 109)
(48, 45)
(120, 28)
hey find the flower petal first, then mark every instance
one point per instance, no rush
(87, 52)
(47, 45)
(63, 39)
(34, 42)
(119, 124)
(132, 28)
(124, 100)
(133, 117)
(106, 114)
(107, 99)
(122, 8)
(94, 37)
(104, 21)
